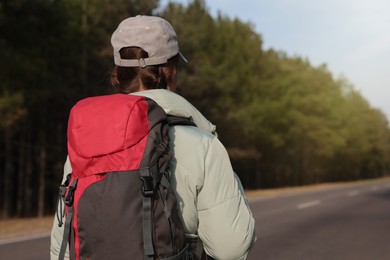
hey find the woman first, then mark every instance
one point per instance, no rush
(210, 196)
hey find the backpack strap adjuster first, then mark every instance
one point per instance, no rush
(148, 186)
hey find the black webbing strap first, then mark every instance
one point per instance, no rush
(147, 228)
(166, 183)
(165, 180)
(72, 251)
(183, 255)
(196, 249)
(199, 251)
(68, 230)
(65, 237)
(60, 213)
(167, 210)
(148, 192)
(177, 120)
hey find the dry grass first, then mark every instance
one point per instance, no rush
(274, 192)
(16, 227)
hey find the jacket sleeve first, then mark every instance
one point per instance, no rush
(56, 231)
(226, 225)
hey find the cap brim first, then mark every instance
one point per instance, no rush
(182, 57)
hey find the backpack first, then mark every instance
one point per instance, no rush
(118, 199)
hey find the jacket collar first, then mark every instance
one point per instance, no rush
(175, 105)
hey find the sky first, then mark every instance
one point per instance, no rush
(352, 37)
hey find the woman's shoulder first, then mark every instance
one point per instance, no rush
(190, 139)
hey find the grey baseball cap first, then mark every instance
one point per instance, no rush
(151, 33)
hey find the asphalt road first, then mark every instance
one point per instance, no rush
(347, 223)
(27, 248)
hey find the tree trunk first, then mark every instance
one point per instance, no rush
(84, 56)
(28, 189)
(7, 196)
(21, 174)
(42, 173)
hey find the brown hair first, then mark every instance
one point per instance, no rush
(128, 79)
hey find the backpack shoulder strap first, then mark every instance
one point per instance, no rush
(177, 120)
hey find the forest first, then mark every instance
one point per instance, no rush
(283, 121)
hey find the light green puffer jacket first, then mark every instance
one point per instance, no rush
(209, 193)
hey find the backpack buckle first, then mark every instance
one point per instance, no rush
(70, 196)
(64, 187)
(147, 187)
(62, 191)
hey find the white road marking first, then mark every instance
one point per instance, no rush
(353, 193)
(309, 204)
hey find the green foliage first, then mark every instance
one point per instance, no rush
(12, 109)
(54, 52)
(284, 121)
(293, 122)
